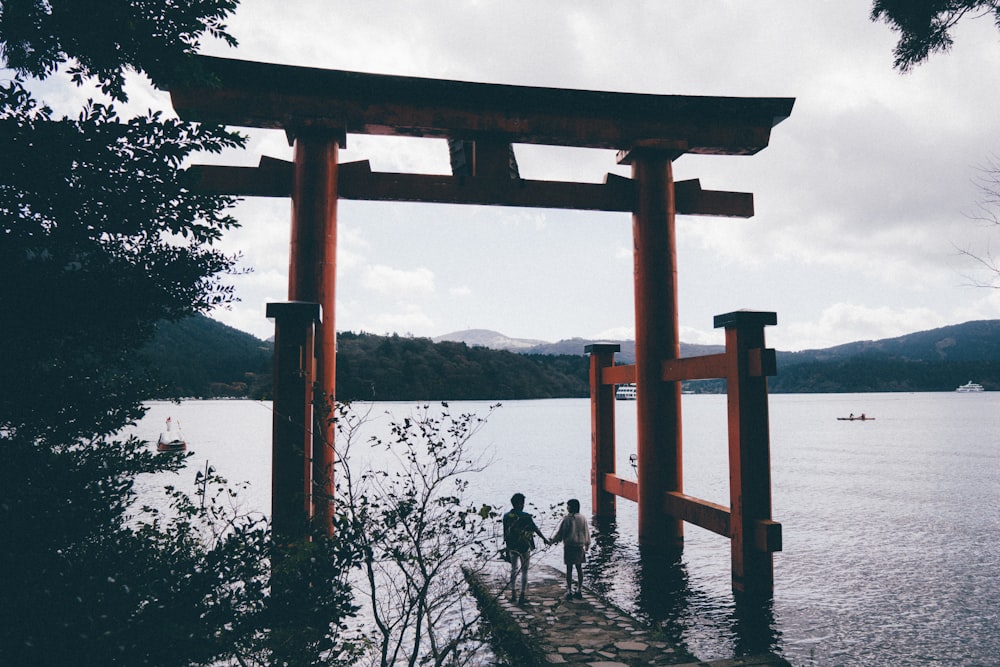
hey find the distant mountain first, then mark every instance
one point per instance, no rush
(935, 360)
(573, 346)
(971, 341)
(486, 338)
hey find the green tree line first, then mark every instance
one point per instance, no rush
(199, 357)
(395, 368)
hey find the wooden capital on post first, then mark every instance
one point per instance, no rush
(312, 277)
(754, 536)
(602, 427)
(658, 403)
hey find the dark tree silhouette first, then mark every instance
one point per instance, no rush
(100, 238)
(924, 26)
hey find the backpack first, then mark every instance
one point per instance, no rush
(518, 531)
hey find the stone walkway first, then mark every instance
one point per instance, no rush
(548, 629)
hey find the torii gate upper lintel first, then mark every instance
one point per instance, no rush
(318, 108)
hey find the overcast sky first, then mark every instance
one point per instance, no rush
(864, 198)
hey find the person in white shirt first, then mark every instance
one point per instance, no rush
(574, 533)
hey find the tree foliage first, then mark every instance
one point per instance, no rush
(103, 40)
(397, 368)
(100, 237)
(199, 357)
(405, 494)
(925, 26)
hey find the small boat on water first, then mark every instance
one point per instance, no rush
(171, 440)
(625, 392)
(856, 418)
(970, 387)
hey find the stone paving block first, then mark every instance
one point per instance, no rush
(631, 646)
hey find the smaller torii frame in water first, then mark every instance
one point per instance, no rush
(318, 109)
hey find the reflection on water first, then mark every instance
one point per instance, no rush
(754, 628)
(655, 586)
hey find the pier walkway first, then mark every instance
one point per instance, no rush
(549, 629)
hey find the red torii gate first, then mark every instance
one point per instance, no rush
(319, 108)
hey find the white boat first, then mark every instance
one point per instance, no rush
(171, 440)
(969, 387)
(625, 392)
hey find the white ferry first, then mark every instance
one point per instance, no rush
(625, 392)
(970, 386)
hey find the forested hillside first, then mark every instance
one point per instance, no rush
(201, 358)
(396, 368)
(934, 360)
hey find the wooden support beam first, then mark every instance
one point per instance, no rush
(273, 178)
(693, 368)
(623, 488)
(702, 513)
(692, 200)
(616, 194)
(618, 374)
(717, 519)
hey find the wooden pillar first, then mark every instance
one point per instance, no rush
(658, 403)
(291, 435)
(312, 277)
(602, 427)
(754, 535)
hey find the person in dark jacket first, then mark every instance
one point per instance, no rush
(519, 530)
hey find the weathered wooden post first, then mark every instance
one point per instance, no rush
(291, 472)
(602, 427)
(291, 469)
(312, 277)
(754, 535)
(658, 403)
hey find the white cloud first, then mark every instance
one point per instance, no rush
(461, 290)
(409, 318)
(387, 280)
(702, 337)
(615, 333)
(844, 322)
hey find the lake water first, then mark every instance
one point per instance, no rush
(891, 527)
